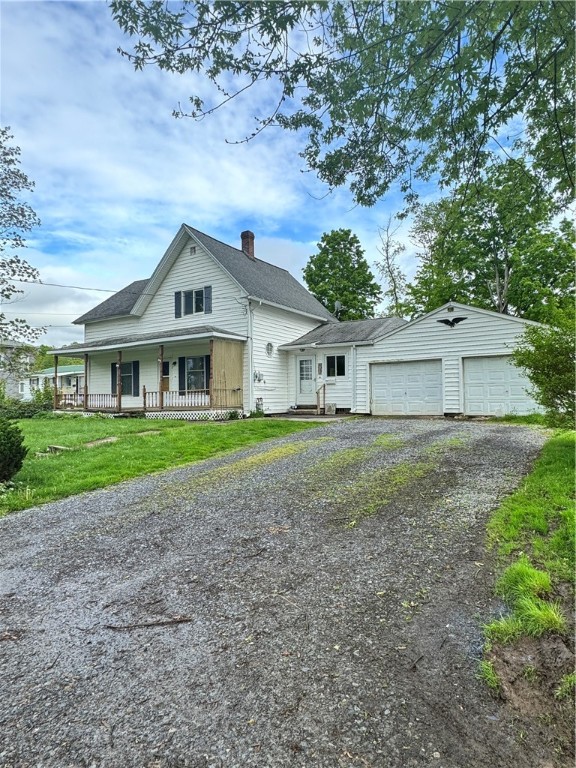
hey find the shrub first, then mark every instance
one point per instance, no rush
(546, 353)
(12, 450)
(42, 402)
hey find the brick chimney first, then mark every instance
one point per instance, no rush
(248, 244)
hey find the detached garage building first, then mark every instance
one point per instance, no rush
(454, 360)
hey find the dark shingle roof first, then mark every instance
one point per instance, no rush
(350, 331)
(118, 305)
(259, 279)
(134, 338)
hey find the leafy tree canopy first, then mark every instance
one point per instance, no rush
(494, 245)
(16, 217)
(386, 91)
(339, 272)
(44, 358)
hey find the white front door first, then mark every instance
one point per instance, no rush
(306, 382)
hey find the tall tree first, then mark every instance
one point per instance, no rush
(340, 273)
(385, 90)
(16, 217)
(494, 245)
(395, 281)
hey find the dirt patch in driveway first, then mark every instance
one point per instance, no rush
(314, 601)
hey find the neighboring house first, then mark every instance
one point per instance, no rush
(215, 329)
(69, 382)
(14, 359)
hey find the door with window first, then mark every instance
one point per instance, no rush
(306, 384)
(165, 380)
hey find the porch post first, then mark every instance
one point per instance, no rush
(211, 379)
(85, 381)
(119, 382)
(160, 377)
(55, 382)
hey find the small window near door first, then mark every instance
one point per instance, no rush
(335, 366)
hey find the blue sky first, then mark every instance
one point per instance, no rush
(116, 174)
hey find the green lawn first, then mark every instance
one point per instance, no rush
(533, 531)
(134, 453)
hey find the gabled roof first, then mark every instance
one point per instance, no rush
(452, 306)
(349, 332)
(260, 280)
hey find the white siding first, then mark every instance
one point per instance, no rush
(189, 272)
(271, 325)
(481, 334)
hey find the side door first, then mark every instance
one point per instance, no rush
(306, 381)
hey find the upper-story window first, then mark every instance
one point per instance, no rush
(335, 366)
(193, 302)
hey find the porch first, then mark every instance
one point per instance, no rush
(201, 378)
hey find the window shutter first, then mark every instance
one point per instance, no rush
(207, 299)
(135, 378)
(182, 375)
(114, 380)
(207, 371)
(178, 304)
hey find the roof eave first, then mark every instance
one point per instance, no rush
(321, 318)
(79, 321)
(326, 345)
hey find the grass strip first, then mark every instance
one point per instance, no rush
(538, 519)
(533, 531)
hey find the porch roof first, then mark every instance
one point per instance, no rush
(145, 339)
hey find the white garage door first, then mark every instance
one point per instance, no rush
(407, 389)
(494, 387)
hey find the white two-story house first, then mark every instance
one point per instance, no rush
(202, 336)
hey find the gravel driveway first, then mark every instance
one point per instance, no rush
(316, 600)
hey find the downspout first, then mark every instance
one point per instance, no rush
(354, 372)
(251, 404)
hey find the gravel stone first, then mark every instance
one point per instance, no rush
(242, 612)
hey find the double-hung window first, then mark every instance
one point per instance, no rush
(193, 302)
(129, 378)
(193, 373)
(335, 366)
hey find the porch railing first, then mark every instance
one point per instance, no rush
(104, 402)
(321, 399)
(198, 398)
(152, 400)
